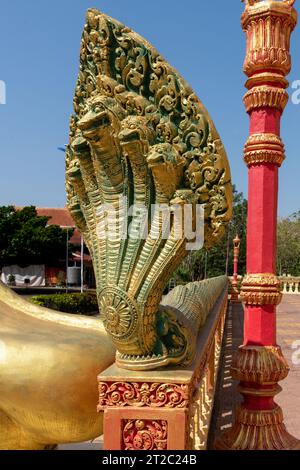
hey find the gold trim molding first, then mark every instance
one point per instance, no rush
(264, 148)
(259, 364)
(265, 95)
(143, 394)
(266, 77)
(261, 289)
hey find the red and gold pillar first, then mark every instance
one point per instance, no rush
(259, 364)
(234, 284)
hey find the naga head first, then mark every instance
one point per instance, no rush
(135, 137)
(80, 147)
(167, 167)
(173, 336)
(74, 172)
(101, 123)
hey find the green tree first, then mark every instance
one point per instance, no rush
(288, 245)
(26, 239)
(218, 260)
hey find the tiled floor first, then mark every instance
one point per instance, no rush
(288, 336)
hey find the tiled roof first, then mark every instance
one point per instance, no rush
(59, 216)
(62, 217)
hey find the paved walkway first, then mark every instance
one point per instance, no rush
(288, 337)
(227, 397)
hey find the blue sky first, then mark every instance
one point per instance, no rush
(39, 63)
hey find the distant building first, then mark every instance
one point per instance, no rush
(55, 274)
(63, 218)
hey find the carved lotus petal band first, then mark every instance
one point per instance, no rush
(261, 289)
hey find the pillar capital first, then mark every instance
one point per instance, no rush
(268, 26)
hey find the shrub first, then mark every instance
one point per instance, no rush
(85, 303)
(11, 279)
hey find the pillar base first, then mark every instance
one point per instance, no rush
(258, 430)
(259, 420)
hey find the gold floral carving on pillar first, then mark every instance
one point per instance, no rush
(261, 289)
(264, 148)
(260, 365)
(267, 47)
(140, 137)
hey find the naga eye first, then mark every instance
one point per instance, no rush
(97, 109)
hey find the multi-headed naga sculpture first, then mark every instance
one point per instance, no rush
(140, 137)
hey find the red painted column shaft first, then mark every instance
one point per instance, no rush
(260, 321)
(262, 218)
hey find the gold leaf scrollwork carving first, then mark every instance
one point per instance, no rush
(145, 434)
(143, 394)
